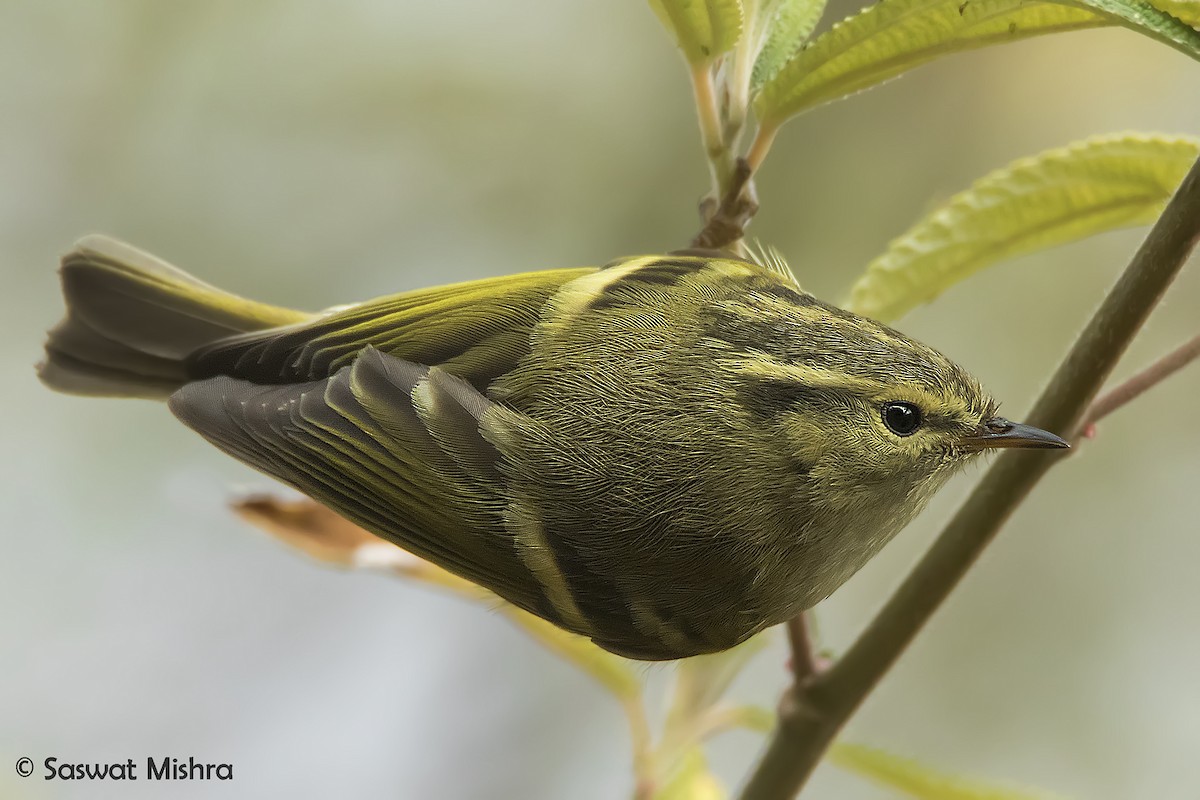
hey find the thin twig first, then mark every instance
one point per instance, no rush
(643, 747)
(1154, 374)
(811, 716)
(804, 658)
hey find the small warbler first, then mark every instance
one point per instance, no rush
(666, 454)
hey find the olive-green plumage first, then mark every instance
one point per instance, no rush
(667, 454)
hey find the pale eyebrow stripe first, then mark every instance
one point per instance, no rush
(769, 368)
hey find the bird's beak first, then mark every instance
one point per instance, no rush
(999, 432)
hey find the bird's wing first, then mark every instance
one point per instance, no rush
(391, 445)
(475, 331)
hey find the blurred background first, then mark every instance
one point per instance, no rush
(310, 153)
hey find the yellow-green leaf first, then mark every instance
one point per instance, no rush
(917, 780)
(1185, 10)
(1056, 197)
(703, 29)
(789, 25)
(894, 36)
(1149, 19)
(751, 718)
(691, 780)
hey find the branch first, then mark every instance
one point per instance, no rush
(1157, 372)
(727, 224)
(811, 715)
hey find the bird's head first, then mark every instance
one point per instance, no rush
(868, 414)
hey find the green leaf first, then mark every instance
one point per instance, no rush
(690, 779)
(790, 24)
(703, 29)
(1185, 10)
(894, 36)
(752, 718)
(1146, 18)
(1056, 197)
(917, 780)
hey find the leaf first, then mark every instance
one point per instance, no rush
(917, 780)
(307, 526)
(790, 24)
(691, 780)
(320, 533)
(1056, 197)
(703, 29)
(894, 36)
(755, 718)
(1186, 10)
(1146, 18)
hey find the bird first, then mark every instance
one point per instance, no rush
(666, 454)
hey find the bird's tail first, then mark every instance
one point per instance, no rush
(132, 320)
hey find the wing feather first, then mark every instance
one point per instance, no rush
(476, 331)
(391, 445)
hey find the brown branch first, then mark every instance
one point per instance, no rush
(1152, 375)
(811, 715)
(726, 224)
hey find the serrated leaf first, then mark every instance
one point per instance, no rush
(1147, 18)
(1056, 197)
(788, 28)
(703, 29)
(917, 780)
(894, 36)
(1186, 10)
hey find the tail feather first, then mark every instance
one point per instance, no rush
(132, 319)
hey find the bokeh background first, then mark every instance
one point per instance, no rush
(312, 153)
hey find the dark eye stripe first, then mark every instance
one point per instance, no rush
(942, 422)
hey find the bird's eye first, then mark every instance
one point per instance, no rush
(902, 419)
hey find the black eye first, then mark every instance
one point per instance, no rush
(902, 419)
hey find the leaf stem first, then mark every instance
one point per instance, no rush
(709, 117)
(761, 145)
(811, 715)
(643, 749)
(1152, 375)
(737, 79)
